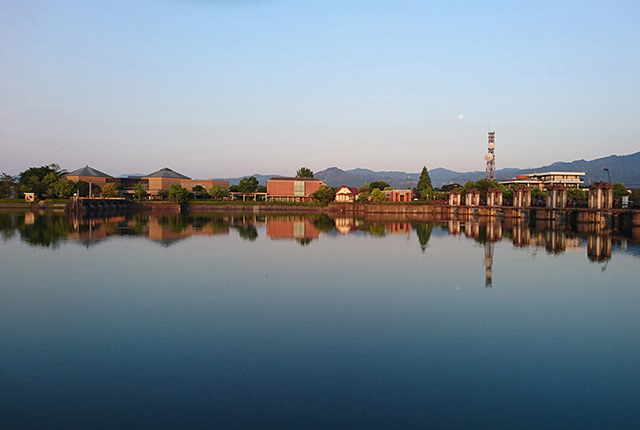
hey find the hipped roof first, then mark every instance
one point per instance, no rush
(88, 171)
(166, 173)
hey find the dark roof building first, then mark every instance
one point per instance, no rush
(163, 179)
(88, 171)
(89, 174)
(166, 173)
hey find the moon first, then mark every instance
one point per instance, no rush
(460, 116)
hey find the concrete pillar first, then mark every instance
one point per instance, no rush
(494, 197)
(600, 196)
(454, 198)
(556, 197)
(522, 197)
(472, 198)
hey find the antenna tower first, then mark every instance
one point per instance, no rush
(491, 158)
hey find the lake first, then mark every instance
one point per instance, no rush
(240, 321)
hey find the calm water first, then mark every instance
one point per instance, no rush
(291, 322)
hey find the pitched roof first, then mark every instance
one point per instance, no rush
(352, 190)
(166, 173)
(88, 171)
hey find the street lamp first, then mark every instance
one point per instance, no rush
(608, 174)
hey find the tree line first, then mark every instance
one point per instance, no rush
(48, 182)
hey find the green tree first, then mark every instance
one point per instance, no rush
(163, 194)
(425, 188)
(576, 194)
(139, 191)
(450, 187)
(7, 186)
(39, 180)
(109, 190)
(538, 194)
(217, 192)
(49, 182)
(363, 195)
(304, 172)
(324, 194)
(199, 190)
(179, 194)
(64, 188)
(248, 185)
(377, 195)
(83, 188)
(380, 185)
(619, 191)
(483, 185)
(261, 189)
(439, 195)
(635, 196)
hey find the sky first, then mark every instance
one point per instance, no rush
(228, 88)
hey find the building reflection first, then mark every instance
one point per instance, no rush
(346, 225)
(47, 229)
(292, 227)
(599, 248)
(163, 229)
(521, 234)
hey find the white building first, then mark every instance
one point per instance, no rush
(544, 180)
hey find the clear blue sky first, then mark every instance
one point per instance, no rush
(230, 88)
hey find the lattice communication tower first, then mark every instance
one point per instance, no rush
(490, 157)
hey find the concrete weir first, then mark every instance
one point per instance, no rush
(97, 206)
(610, 218)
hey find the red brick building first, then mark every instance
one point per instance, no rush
(398, 195)
(292, 189)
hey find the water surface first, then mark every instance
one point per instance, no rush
(293, 322)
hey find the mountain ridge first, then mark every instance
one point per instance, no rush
(624, 169)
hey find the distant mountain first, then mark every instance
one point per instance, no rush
(262, 179)
(334, 177)
(624, 169)
(128, 175)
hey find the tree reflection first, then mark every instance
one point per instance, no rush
(47, 229)
(247, 231)
(304, 242)
(324, 224)
(423, 230)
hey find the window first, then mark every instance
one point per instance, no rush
(298, 188)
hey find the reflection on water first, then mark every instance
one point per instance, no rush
(50, 229)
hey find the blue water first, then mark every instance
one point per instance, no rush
(364, 330)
